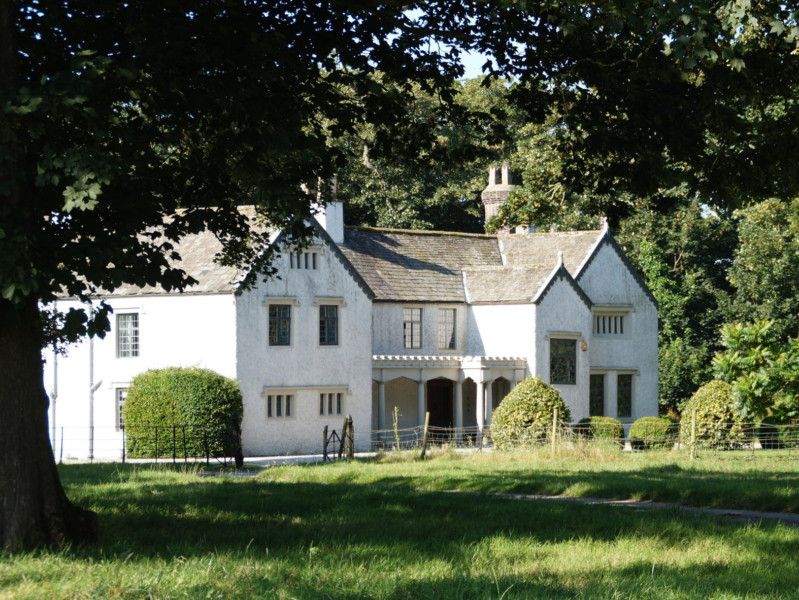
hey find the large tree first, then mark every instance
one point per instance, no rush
(127, 126)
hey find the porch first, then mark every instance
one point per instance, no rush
(460, 392)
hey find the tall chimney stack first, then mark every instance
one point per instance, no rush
(498, 189)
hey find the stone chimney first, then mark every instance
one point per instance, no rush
(330, 214)
(499, 187)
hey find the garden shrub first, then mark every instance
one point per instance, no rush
(600, 428)
(653, 432)
(718, 422)
(200, 409)
(525, 416)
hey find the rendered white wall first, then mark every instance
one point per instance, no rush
(305, 366)
(561, 311)
(501, 330)
(388, 336)
(607, 280)
(176, 330)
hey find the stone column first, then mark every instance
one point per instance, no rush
(489, 402)
(480, 404)
(381, 404)
(458, 410)
(420, 404)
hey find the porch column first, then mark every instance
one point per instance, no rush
(458, 409)
(420, 405)
(489, 402)
(381, 405)
(480, 404)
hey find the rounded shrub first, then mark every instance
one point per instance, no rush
(718, 422)
(525, 416)
(179, 410)
(600, 428)
(653, 432)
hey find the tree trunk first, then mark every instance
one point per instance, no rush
(34, 509)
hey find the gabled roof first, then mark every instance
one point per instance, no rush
(418, 266)
(428, 266)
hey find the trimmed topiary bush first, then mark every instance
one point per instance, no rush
(525, 416)
(179, 410)
(718, 422)
(600, 428)
(653, 432)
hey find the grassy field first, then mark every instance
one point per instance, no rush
(384, 529)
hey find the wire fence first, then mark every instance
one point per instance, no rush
(157, 443)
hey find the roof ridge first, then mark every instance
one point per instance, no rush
(430, 232)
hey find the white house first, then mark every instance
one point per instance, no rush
(364, 320)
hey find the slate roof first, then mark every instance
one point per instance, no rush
(418, 266)
(424, 266)
(197, 252)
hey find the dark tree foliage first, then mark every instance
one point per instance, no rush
(117, 116)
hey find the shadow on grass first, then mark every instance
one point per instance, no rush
(163, 514)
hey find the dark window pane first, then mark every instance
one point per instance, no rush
(624, 397)
(328, 325)
(596, 401)
(563, 361)
(269, 406)
(279, 324)
(279, 406)
(288, 406)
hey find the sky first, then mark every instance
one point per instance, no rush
(473, 63)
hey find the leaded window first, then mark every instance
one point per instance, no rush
(624, 396)
(328, 325)
(279, 406)
(412, 327)
(127, 335)
(563, 361)
(120, 394)
(330, 403)
(279, 324)
(609, 324)
(446, 328)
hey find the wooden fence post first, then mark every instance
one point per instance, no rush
(554, 430)
(324, 444)
(350, 445)
(693, 434)
(343, 438)
(424, 433)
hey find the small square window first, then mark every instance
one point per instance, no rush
(330, 403)
(279, 405)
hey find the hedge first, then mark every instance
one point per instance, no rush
(653, 432)
(525, 415)
(191, 410)
(718, 422)
(600, 428)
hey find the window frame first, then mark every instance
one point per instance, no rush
(331, 402)
(134, 350)
(631, 390)
(411, 321)
(572, 372)
(452, 344)
(322, 320)
(120, 395)
(280, 410)
(279, 304)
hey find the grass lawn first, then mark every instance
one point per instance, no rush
(384, 529)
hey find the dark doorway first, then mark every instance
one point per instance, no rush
(439, 402)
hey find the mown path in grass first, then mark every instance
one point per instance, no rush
(384, 530)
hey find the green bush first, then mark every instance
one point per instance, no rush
(600, 428)
(653, 432)
(179, 410)
(718, 422)
(525, 416)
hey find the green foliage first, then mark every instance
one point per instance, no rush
(718, 421)
(653, 432)
(207, 404)
(526, 414)
(600, 428)
(763, 369)
(765, 269)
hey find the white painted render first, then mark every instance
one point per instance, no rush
(228, 333)
(304, 369)
(174, 331)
